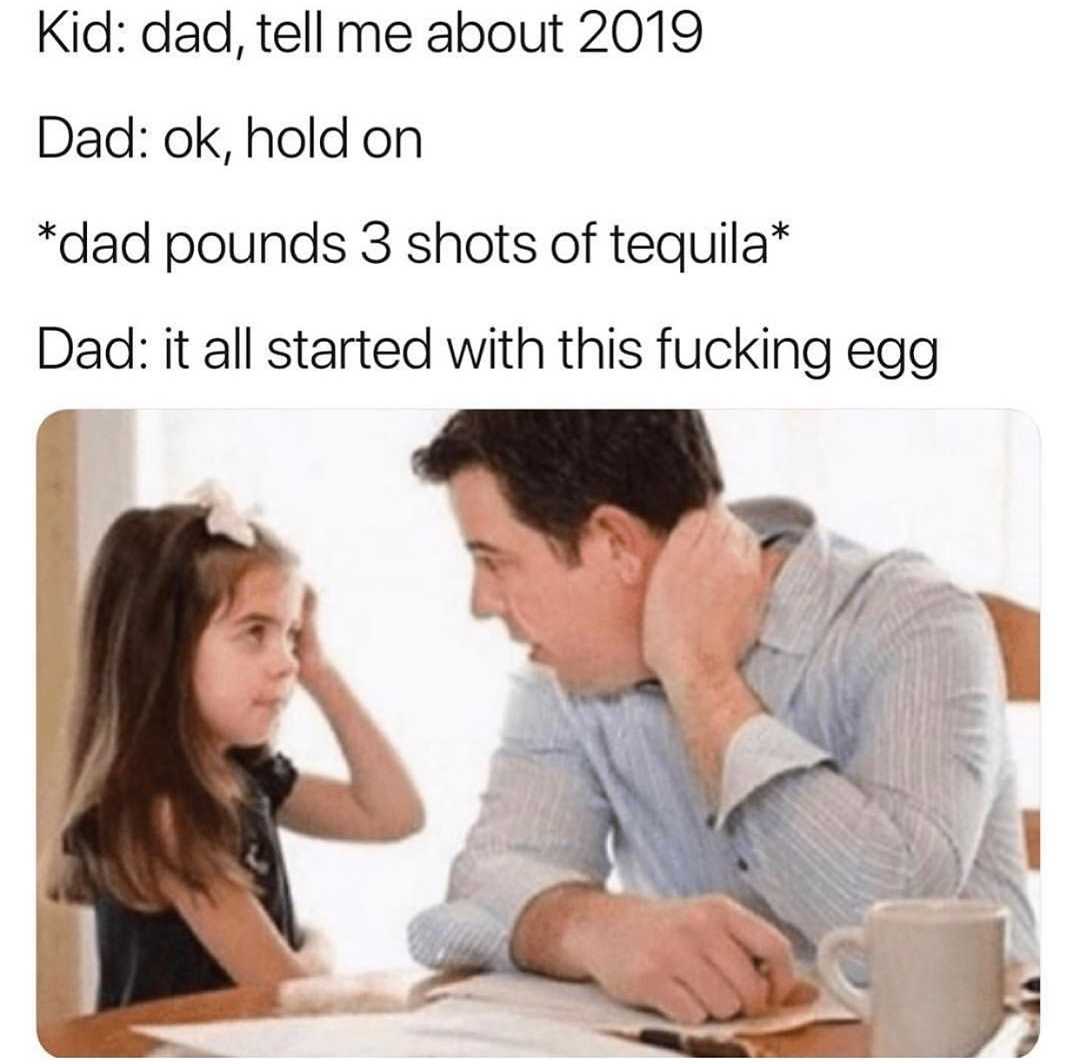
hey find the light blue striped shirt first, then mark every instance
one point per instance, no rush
(881, 769)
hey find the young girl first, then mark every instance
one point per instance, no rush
(196, 629)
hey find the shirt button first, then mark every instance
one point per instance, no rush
(742, 865)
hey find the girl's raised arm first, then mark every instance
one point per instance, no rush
(380, 801)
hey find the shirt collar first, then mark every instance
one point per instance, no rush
(807, 589)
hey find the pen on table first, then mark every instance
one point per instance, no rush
(691, 1045)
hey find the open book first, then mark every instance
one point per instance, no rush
(414, 1013)
(585, 1004)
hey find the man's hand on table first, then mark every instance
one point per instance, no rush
(703, 611)
(690, 959)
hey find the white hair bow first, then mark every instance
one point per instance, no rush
(222, 516)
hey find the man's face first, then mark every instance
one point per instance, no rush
(581, 619)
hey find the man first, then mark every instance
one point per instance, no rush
(770, 726)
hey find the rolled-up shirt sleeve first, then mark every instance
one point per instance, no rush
(544, 821)
(760, 751)
(898, 809)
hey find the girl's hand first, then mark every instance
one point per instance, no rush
(316, 951)
(380, 801)
(311, 658)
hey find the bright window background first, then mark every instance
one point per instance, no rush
(383, 551)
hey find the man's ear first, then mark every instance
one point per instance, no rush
(625, 541)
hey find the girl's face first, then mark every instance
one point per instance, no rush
(245, 660)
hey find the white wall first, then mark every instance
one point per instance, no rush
(963, 486)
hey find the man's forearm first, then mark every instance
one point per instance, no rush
(688, 958)
(710, 710)
(554, 933)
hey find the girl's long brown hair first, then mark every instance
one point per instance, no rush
(136, 745)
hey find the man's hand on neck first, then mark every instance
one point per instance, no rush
(703, 611)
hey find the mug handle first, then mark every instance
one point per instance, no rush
(831, 974)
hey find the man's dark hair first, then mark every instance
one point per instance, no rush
(556, 466)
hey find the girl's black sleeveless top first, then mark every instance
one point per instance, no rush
(152, 955)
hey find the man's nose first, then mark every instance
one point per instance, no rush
(485, 600)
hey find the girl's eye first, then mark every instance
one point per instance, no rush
(255, 634)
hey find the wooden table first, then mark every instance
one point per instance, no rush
(109, 1033)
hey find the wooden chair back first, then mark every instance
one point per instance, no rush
(1018, 634)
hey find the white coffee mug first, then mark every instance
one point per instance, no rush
(936, 971)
